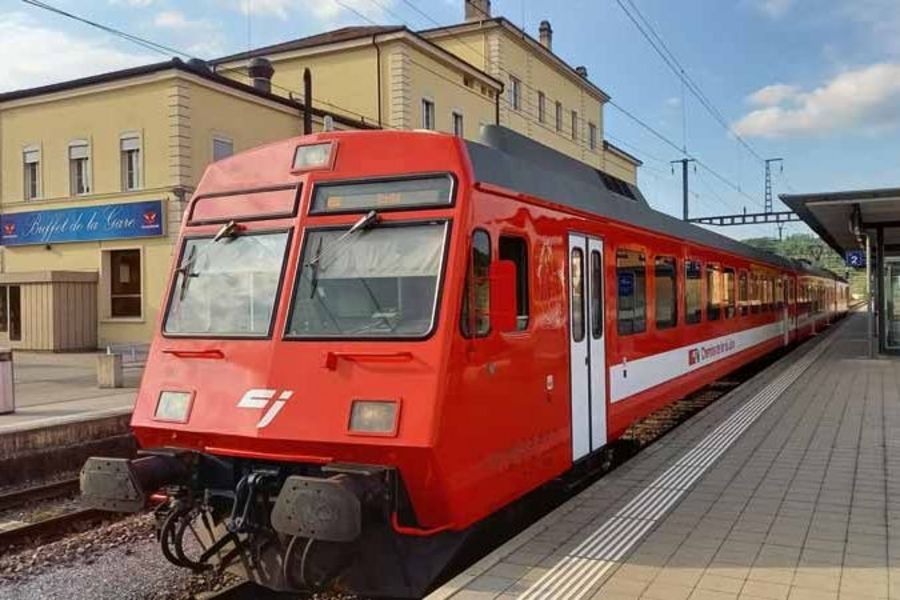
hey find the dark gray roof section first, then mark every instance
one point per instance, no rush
(510, 160)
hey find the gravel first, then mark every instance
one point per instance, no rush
(117, 561)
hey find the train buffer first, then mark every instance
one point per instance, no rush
(787, 487)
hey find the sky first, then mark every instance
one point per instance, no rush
(815, 82)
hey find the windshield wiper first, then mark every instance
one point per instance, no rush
(370, 219)
(228, 231)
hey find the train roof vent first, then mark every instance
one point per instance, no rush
(616, 185)
(539, 161)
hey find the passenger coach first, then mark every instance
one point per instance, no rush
(374, 340)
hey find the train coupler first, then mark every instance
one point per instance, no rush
(125, 485)
(329, 509)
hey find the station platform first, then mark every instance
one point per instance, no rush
(60, 389)
(786, 488)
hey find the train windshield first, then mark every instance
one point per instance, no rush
(227, 286)
(381, 282)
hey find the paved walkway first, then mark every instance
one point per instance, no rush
(786, 488)
(53, 389)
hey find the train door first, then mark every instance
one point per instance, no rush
(786, 309)
(587, 348)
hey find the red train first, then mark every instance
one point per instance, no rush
(374, 340)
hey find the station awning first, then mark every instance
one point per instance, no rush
(838, 216)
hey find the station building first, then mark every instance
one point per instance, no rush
(454, 79)
(94, 176)
(95, 172)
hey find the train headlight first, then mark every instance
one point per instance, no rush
(314, 156)
(373, 417)
(174, 406)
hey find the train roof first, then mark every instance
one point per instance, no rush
(508, 159)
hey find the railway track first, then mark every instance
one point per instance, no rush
(51, 528)
(45, 491)
(18, 533)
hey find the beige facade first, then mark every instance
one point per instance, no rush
(383, 76)
(462, 76)
(144, 136)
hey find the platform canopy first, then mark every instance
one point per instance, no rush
(839, 217)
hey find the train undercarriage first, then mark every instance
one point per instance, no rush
(287, 527)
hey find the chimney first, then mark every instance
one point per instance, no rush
(546, 35)
(582, 70)
(261, 71)
(477, 10)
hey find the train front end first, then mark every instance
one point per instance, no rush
(288, 409)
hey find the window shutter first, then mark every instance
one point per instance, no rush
(32, 156)
(77, 151)
(130, 143)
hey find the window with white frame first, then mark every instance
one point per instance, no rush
(542, 107)
(79, 168)
(575, 125)
(130, 148)
(222, 148)
(457, 118)
(592, 136)
(31, 162)
(515, 93)
(559, 116)
(427, 113)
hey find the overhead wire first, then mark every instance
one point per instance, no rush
(659, 45)
(612, 103)
(169, 51)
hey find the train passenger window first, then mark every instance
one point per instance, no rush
(516, 250)
(728, 293)
(779, 293)
(755, 293)
(596, 295)
(577, 277)
(631, 277)
(692, 292)
(479, 293)
(713, 292)
(743, 293)
(665, 292)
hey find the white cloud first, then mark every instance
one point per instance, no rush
(198, 37)
(866, 99)
(775, 94)
(327, 12)
(53, 56)
(172, 19)
(134, 3)
(773, 8)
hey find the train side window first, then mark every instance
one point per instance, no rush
(596, 295)
(577, 278)
(665, 292)
(631, 284)
(693, 310)
(779, 293)
(743, 297)
(516, 249)
(713, 292)
(479, 294)
(728, 293)
(755, 293)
